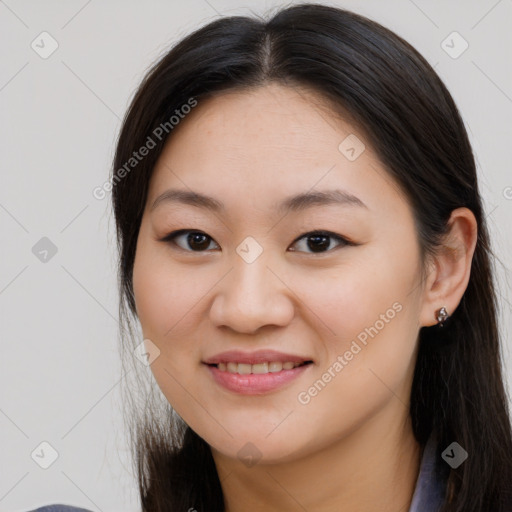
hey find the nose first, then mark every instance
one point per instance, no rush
(250, 296)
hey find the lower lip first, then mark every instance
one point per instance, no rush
(255, 383)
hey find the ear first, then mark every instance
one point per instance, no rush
(450, 269)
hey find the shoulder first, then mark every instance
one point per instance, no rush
(59, 508)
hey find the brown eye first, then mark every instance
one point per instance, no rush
(320, 241)
(197, 241)
(192, 241)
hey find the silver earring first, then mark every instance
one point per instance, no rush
(441, 316)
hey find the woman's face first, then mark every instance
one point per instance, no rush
(257, 277)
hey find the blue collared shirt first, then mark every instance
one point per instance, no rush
(428, 493)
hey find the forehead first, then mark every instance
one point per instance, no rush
(291, 118)
(268, 143)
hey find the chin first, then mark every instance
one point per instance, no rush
(254, 448)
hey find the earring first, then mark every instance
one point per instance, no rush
(441, 316)
(440, 335)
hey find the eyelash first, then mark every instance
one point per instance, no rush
(170, 239)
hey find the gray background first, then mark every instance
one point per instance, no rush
(60, 372)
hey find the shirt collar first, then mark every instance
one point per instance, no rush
(431, 483)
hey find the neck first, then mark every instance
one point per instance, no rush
(373, 468)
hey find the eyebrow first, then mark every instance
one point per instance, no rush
(294, 203)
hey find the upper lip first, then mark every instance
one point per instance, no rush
(258, 356)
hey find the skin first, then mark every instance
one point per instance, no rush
(351, 447)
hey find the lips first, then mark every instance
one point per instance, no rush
(256, 383)
(256, 373)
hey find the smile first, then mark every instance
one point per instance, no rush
(256, 379)
(266, 367)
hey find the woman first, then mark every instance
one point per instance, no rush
(302, 241)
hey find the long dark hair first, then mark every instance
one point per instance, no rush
(380, 82)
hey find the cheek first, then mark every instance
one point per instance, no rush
(369, 357)
(366, 312)
(352, 297)
(165, 296)
(154, 297)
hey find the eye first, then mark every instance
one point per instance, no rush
(194, 239)
(197, 241)
(320, 241)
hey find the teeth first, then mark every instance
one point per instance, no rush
(245, 369)
(259, 368)
(275, 366)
